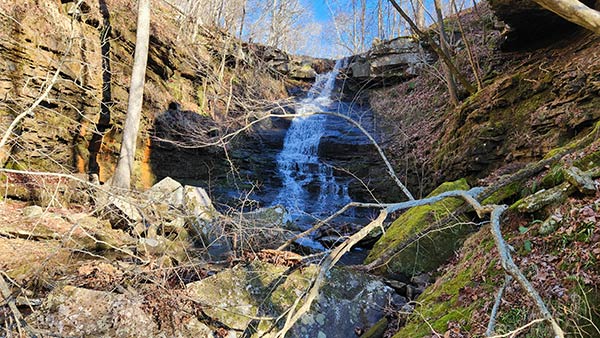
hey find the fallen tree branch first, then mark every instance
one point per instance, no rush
(492, 323)
(470, 197)
(511, 268)
(521, 175)
(574, 11)
(514, 332)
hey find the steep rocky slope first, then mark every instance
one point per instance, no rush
(530, 102)
(538, 99)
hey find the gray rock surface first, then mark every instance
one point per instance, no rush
(347, 300)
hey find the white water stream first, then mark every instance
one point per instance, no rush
(309, 186)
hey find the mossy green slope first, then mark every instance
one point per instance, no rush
(430, 251)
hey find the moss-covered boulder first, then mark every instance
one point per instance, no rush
(427, 252)
(447, 300)
(236, 297)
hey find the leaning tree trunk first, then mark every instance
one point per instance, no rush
(444, 46)
(574, 11)
(124, 170)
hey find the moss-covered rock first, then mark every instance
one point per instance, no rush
(443, 302)
(427, 252)
(543, 198)
(504, 193)
(377, 330)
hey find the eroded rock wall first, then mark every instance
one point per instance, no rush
(77, 127)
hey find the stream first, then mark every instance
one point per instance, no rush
(311, 188)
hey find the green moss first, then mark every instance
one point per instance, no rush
(285, 295)
(589, 161)
(428, 252)
(377, 330)
(438, 312)
(175, 87)
(504, 193)
(14, 165)
(441, 303)
(201, 99)
(510, 319)
(554, 177)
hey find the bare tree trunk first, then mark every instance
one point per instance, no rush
(124, 170)
(242, 19)
(273, 27)
(444, 47)
(419, 9)
(574, 11)
(379, 20)
(472, 60)
(363, 24)
(354, 28)
(436, 48)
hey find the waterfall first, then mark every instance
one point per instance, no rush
(309, 186)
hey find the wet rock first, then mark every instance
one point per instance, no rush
(72, 311)
(346, 301)
(377, 330)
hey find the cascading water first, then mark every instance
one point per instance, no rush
(309, 186)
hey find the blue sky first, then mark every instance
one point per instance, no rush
(320, 10)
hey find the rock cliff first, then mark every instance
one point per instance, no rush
(77, 127)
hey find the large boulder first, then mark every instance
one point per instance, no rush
(197, 202)
(388, 62)
(166, 191)
(78, 312)
(235, 297)
(427, 252)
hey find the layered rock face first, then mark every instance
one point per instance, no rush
(519, 117)
(386, 63)
(77, 127)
